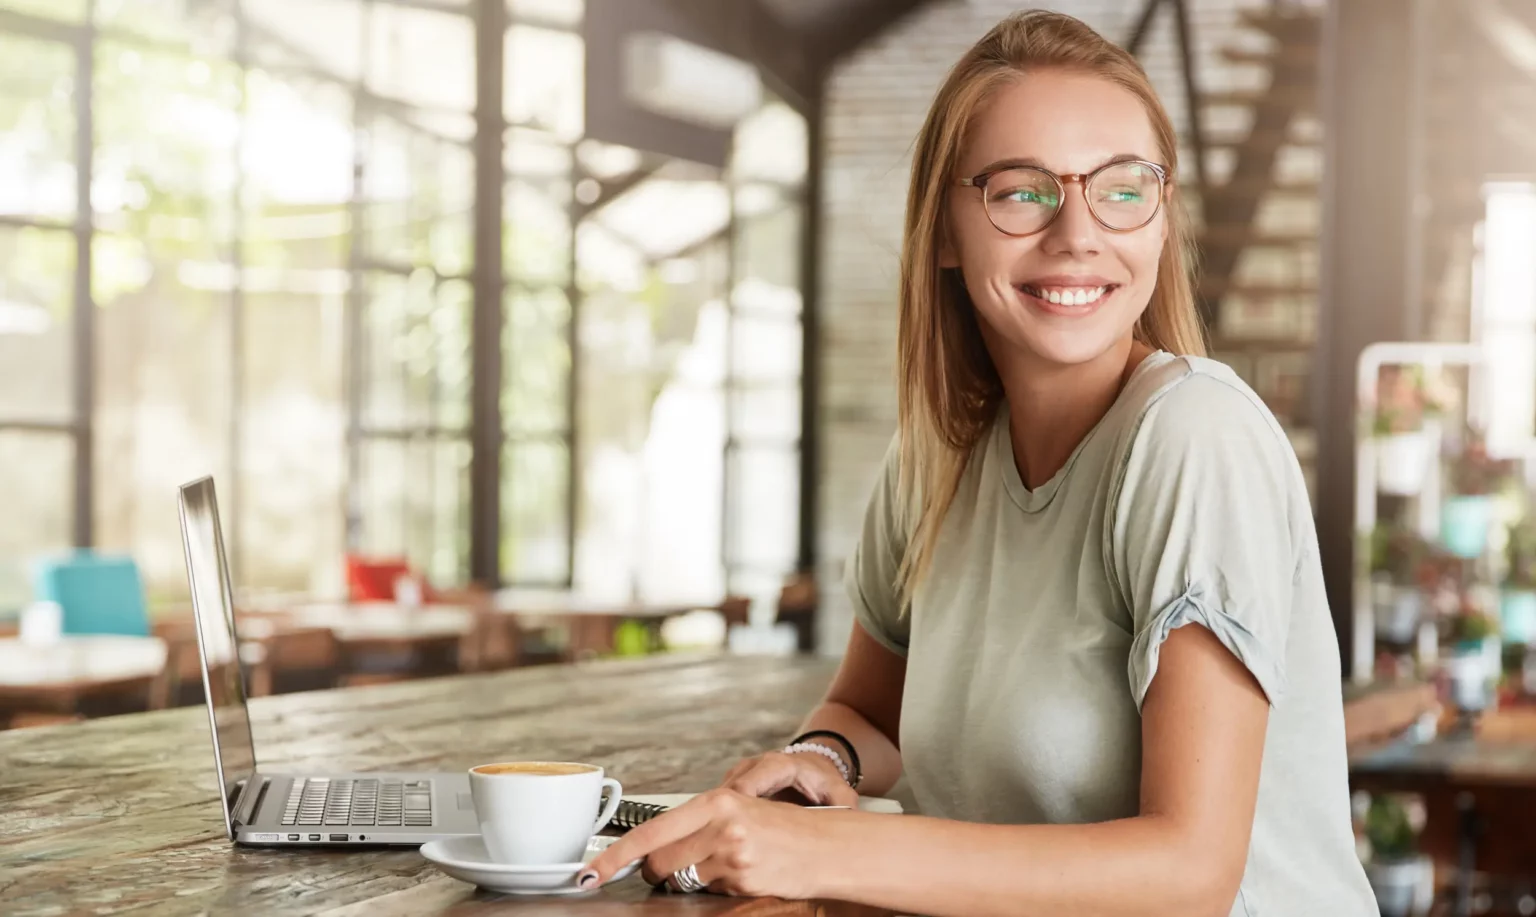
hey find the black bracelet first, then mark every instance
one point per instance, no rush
(853, 755)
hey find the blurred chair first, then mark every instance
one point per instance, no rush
(736, 609)
(495, 644)
(98, 593)
(182, 682)
(797, 605)
(391, 660)
(374, 579)
(309, 655)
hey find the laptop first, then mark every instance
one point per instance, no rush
(269, 809)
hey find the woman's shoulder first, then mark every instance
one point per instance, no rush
(1187, 400)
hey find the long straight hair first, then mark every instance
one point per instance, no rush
(949, 388)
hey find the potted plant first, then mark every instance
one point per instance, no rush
(1405, 451)
(1467, 515)
(1517, 599)
(1400, 561)
(1401, 877)
(1476, 659)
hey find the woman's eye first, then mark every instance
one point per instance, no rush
(1122, 196)
(1027, 196)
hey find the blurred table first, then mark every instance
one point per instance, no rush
(121, 816)
(590, 622)
(55, 676)
(562, 602)
(381, 622)
(1478, 784)
(383, 640)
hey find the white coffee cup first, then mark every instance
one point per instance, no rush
(535, 813)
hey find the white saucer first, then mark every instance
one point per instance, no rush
(465, 858)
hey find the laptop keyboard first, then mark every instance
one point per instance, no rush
(367, 802)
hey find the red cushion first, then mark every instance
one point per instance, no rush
(370, 580)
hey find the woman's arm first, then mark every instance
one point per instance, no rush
(863, 704)
(1203, 726)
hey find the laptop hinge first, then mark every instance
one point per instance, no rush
(249, 801)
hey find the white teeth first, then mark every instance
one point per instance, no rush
(1074, 297)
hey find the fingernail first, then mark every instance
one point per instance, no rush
(586, 879)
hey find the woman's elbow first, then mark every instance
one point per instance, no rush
(1208, 886)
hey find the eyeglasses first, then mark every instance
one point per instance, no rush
(1024, 200)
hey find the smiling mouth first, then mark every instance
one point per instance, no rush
(1068, 296)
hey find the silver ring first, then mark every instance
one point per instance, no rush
(687, 880)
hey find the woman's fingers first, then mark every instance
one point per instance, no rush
(741, 767)
(812, 776)
(664, 864)
(836, 792)
(665, 829)
(768, 775)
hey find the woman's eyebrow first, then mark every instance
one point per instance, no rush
(1019, 162)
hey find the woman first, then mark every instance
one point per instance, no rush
(1091, 622)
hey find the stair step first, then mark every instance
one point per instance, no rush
(1291, 55)
(1225, 343)
(1297, 97)
(1217, 287)
(1288, 27)
(1268, 138)
(1311, 189)
(1249, 236)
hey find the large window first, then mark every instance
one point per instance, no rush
(281, 292)
(38, 277)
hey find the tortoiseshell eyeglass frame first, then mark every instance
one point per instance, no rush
(1079, 178)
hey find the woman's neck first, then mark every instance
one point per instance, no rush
(1052, 407)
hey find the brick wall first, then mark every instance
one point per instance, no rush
(876, 101)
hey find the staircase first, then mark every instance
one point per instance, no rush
(1263, 210)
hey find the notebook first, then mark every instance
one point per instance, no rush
(638, 809)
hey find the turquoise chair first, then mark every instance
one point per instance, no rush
(99, 593)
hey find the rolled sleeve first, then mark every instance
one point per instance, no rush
(1206, 530)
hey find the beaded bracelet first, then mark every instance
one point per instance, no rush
(833, 756)
(839, 738)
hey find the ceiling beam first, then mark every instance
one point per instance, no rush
(748, 30)
(612, 189)
(852, 24)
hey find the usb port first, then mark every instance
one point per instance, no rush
(293, 837)
(338, 837)
(314, 837)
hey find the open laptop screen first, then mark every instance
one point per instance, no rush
(213, 606)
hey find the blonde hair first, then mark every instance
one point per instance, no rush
(949, 390)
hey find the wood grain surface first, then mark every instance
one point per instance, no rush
(120, 815)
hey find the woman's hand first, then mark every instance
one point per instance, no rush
(811, 775)
(738, 844)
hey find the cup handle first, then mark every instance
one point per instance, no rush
(615, 793)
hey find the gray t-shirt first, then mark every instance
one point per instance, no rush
(1032, 641)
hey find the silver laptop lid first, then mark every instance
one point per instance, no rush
(234, 753)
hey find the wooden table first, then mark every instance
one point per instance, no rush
(120, 816)
(55, 676)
